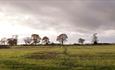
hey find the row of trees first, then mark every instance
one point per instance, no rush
(94, 39)
(9, 41)
(35, 39)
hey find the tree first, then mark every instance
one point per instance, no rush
(95, 38)
(81, 41)
(45, 40)
(13, 40)
(3, 41)
(35, 39)
(62, 38)
(27, 40)
(10, 41)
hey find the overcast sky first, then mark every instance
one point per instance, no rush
(77, 18)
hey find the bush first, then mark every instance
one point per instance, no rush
(4, 46)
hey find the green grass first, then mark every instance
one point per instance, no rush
(56, 58)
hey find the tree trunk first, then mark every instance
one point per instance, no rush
(62, 42)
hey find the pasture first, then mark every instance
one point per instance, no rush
(101, 57)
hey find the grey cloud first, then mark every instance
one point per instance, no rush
(85, 16)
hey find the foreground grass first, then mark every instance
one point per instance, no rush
(55, 58)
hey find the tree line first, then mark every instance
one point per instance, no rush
(35, 39)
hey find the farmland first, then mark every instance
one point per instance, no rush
(100, 57)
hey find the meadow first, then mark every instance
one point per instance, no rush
(100, 57)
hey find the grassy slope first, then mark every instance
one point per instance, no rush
(54, 58)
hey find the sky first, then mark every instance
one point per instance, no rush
(76, 18)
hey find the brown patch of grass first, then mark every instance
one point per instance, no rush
(43, 55)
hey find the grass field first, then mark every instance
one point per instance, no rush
(56, 58)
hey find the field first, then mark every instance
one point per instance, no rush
(58, 58)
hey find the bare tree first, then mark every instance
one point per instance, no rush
(27, 40)
(81, 41)
(3, 41)
(95, 38)
(45, 40)
(35, 39)
(62, 38)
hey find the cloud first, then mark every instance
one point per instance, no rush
(82, 17)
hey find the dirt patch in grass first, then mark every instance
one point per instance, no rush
(93, 57)
(44, 55)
